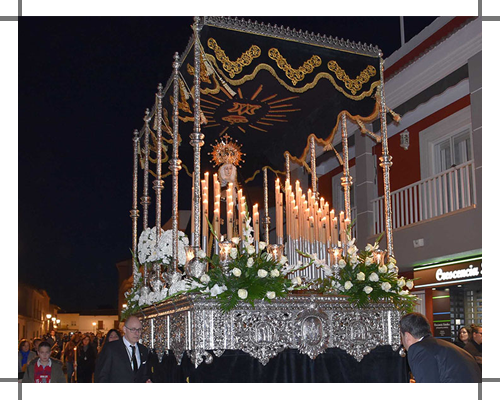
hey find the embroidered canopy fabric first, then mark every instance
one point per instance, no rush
(270, 88)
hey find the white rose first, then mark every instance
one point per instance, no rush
(283, 260)
(250, 262)
(262, 245)
(409, 284)
(348, 285)
(201, 254)
(235, 240)
(401, 282)
(373, 277)
(275, 273)
(386, 286)
(351, 250)
(342, 264)
(403, 292)
(233, 253)
(360, 276)
(368, 289)
(296, 280)
(262, 273)
(270, 295)
(205, 278)
(369, 261)
(382, 269)
(251, 249)
(236, 272)
(242, 294)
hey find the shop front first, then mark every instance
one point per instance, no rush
(453, 294)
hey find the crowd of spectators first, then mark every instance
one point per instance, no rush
(74, 354)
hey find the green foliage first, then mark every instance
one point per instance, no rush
(365, 281)
(244, 275)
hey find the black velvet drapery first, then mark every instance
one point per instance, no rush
(334, 365)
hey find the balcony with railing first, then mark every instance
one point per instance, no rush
(433, 197)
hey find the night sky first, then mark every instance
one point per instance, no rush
(84, 84)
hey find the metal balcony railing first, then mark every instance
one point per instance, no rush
(440, 194)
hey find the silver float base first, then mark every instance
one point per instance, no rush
(310, 323)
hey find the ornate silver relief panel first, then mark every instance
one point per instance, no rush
(311, 332)
(309, 323)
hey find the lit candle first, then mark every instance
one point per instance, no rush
(335, 230)
(323, 230)
(341, 226)
(255, 219)
(230, 221)
(216, 220)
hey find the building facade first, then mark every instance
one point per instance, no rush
(92, 321)
(434, 83)
(35, 312)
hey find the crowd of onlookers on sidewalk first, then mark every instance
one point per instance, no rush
(58, 357)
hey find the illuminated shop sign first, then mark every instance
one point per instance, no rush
(446, 274)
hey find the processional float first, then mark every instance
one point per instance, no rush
(268, 88)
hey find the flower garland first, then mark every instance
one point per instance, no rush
(365, 278)
(253, 274)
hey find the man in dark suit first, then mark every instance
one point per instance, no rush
(434, 360)
(124, 360)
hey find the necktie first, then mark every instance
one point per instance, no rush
(134, 360)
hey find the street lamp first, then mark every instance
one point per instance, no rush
(48, 321)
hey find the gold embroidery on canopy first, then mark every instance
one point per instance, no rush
(183, 104)
(354, 85)
(203, 72)
(305, 88)
(295, 75)
(234, 67)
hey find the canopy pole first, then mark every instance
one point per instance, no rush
(134, 212)
(346, 180)
(145, 199)
(266, 207)
(175, 166)
(287, 165)
(385, 163)
(158, 182)
(196, 137)
(312, 146)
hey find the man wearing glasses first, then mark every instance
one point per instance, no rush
(124, 360)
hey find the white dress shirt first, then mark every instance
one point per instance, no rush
(129, 351)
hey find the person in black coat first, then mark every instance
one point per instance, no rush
(434, 360)
(475, 345)
(124, 360)
(86, 356)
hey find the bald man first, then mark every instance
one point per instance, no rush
(124, 360)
